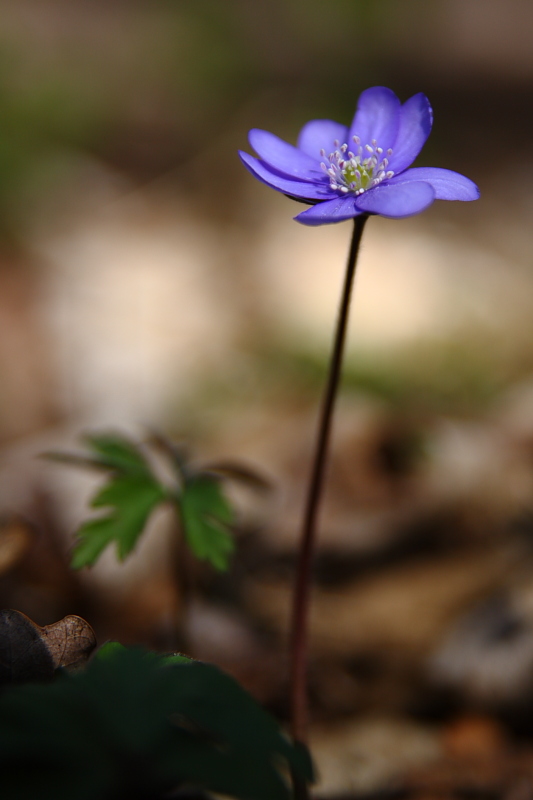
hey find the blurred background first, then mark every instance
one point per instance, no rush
(147, 281)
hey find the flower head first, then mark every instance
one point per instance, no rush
(344, 172)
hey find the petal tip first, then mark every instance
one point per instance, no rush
(475, 191)
(253, 135)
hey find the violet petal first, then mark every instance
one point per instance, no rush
(447, 185)
(416, 119)
(400, 200)
(320, 134)
(377, 117)
(302, 189)
(336, 210)
(283, 157)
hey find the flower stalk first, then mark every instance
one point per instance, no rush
(302, 591)
(346, 172)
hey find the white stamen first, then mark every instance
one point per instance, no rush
(355, 173)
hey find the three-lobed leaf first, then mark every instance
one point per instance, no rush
(133, 492)
(131, 495)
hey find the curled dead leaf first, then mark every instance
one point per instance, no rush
(30, 652)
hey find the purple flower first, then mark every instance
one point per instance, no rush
(344, 172)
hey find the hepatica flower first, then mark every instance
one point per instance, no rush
(364, 169)
(347, 173)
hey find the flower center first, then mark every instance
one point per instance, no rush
(356, 170)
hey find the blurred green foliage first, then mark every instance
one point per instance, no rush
(138, 726)
(146, 86)
(206, 516)
(133, 492)
(460, 375)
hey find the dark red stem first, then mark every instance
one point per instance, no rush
(302, 591)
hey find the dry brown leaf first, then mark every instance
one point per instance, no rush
(29, 652)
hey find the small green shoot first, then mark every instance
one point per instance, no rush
(133, 492)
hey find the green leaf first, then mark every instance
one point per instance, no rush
(133, 501)
(131, 495)
(206, 516)
(133, 725)
(108, 650)
(117, 452)
(112, 452)
(111, 649)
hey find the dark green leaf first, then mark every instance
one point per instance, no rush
(111, 649)
(108, 650)
(206, 516)
(133, 725)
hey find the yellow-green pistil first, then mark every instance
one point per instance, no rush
(355, 172)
